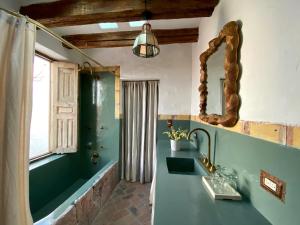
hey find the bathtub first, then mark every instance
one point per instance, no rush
(82, 197)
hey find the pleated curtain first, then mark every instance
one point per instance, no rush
(140, 103)
(16, 62)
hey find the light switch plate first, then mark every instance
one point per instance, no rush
(272, 184)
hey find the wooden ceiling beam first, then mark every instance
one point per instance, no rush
(81, 12)
(126, 38)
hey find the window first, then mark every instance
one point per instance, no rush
(108, 26)
(54, 108)
(137, 23)
(39, 130)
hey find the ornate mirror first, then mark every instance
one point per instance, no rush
(219, 99)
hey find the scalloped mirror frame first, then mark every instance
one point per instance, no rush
(230, 36)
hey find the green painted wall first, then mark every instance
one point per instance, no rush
(53, 182)
(247, 156)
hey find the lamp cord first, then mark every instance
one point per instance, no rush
(146, 14)
(146, 11)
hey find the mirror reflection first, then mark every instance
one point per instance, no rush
(215, 82)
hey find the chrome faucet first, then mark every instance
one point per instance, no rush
(206, 161)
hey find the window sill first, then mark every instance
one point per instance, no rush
(42, 161)
(40, 157)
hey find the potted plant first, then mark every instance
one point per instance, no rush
(175, 137)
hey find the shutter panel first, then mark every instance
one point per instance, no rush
(64, 107)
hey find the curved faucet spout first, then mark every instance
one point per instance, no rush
(206, 161)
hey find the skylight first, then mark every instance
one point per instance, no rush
(136, 23)
(108, 26)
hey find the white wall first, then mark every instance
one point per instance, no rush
(29, 2)
(270, 57)
(10, 4)
(173, 67)
(54, 48)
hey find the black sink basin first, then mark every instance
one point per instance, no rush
(185, 166)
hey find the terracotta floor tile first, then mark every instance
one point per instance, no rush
(128, 205)
(119, 214)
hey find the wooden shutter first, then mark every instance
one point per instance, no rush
(64, 107)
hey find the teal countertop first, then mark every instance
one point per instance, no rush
(183, 200)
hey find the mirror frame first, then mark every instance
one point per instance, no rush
(230, 36)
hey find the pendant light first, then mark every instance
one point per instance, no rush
(145, 44)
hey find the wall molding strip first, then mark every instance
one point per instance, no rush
(277, 133)
(173, 117)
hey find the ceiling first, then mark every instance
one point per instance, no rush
(174, 21)
(124, 26)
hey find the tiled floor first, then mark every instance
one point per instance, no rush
(128, 205)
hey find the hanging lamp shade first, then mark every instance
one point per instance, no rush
(145, 44)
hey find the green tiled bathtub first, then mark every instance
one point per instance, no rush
(72, 198)
(58, 184)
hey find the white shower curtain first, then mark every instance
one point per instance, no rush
(140, 102)
(16, 62)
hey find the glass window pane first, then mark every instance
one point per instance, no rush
(39, 130)
(107, 26)
(137, 23)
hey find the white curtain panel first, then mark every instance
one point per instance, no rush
(16, 62)
(140, 102)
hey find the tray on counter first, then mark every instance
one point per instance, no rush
(220, 191)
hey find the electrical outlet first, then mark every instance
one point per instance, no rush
(273, 185)
(270, 184)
